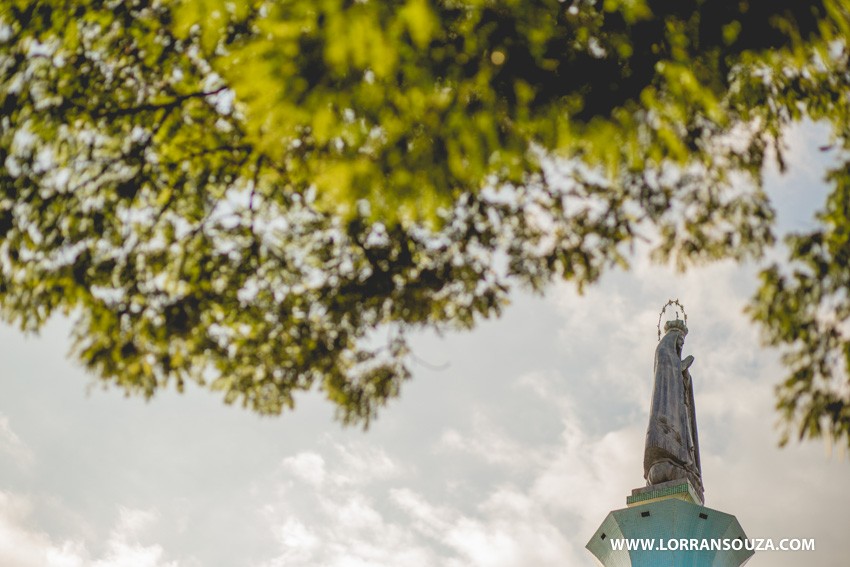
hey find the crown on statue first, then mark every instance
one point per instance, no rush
(677, 324)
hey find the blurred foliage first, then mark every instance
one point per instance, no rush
(267, 196)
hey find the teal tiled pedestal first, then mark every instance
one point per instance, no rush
(669, 512)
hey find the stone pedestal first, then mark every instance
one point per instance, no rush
(669, 527)
(679, 489)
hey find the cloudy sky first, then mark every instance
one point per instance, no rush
(508, 447)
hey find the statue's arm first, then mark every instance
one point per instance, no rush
(686, 374)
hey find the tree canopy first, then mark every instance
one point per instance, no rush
(267, 196)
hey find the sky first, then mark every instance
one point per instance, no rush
(507, 448)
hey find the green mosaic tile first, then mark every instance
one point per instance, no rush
(667, 491)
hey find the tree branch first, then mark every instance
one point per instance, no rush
(150, 107)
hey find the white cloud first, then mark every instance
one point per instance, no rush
(354, 464)
(22, 545)
(123, 548)
(12, 445)
(349, 532)
(361, 462)
(345, 526)
(511, 524)
(295, 535)
(307, 466)
(487, 441)
(509, 528)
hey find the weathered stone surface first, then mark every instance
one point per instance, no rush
(672, 442)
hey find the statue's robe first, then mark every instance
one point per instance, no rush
(671, 438)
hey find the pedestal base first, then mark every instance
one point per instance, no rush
(680, 489)
(668, 530)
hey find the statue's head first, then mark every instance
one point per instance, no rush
(680, 329)
(677, 325)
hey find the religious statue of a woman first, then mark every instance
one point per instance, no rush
(672, 444)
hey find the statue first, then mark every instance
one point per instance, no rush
(672, 443)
